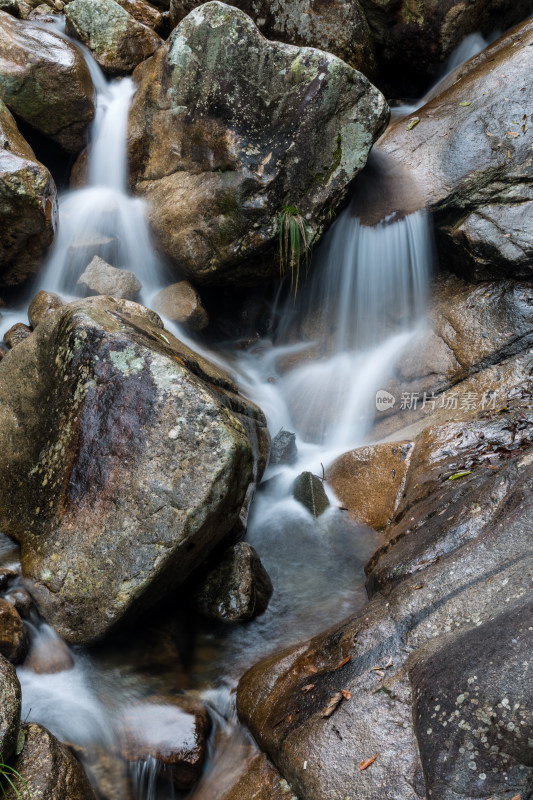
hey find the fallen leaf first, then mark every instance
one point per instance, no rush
(457, 475)
(465, 103)
(379, 673)
(517, 797)
(181, 362)
(412, 123)
(332, 705)
(312, 670)
(366, 763)
(514, 134)
(346, 694)
(308, 688)
(343, 662)
(420, 585)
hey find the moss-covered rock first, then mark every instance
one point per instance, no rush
(45, 81)
(116, 39)
(229, 133)
(338, 27)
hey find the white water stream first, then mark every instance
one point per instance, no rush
(364, 300)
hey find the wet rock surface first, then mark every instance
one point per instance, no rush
(181, 303)
(13, 634)
(114, 431)
(237, 588)
(16, 334)
(419, 678)
(116, 39)
(10, 701)
(216, 166)
(27, 204)
(145, 13)
(43, 304)
(309, 490)
(339, 27)
(173, 731)
(45, 81)
(471, 153)
(369, 481)
(48, 768)
(101, 278)
(283, 449)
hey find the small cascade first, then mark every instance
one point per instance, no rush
(102, 218)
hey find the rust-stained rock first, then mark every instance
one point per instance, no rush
(369, 481)
(113, 431)
(45, 81)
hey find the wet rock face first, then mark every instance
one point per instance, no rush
(128, 457)
(173, 731)
(473, 723)
(339, 27)
(145, 13)
(45, 81)
(48, 768)
(116, 39)
(309, 491)
(471, 152)
(435, 669)
(237, 588)
(10, 699)
(414, 37)
(43, 304)
(283, 449)
(229, 131)
(13, 634)
(28, 204)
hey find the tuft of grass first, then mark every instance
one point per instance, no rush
(6, 775)
(293, 243)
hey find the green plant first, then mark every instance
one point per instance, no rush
(6, 774)
(293, 243)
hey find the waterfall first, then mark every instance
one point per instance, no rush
(102, 218)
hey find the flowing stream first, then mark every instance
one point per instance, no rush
(335, 345)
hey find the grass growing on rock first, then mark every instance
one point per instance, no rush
(293, 243)
(6, 775)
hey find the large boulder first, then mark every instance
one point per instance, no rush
(233, 136)
(414, 37)
(28, 205)
(46, 769)
(427, 691)
(45, 81)
(116, 39)
(126, 459)
(471, 156)
(339, 27)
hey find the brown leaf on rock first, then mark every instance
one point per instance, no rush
(367, 762)
(346, 694)
(343, 662)
(308, 687)
(332, 705)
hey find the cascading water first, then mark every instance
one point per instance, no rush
(364, 300)
(102, 218)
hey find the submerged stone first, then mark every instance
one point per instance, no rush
(101, 278)
(283, 449)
